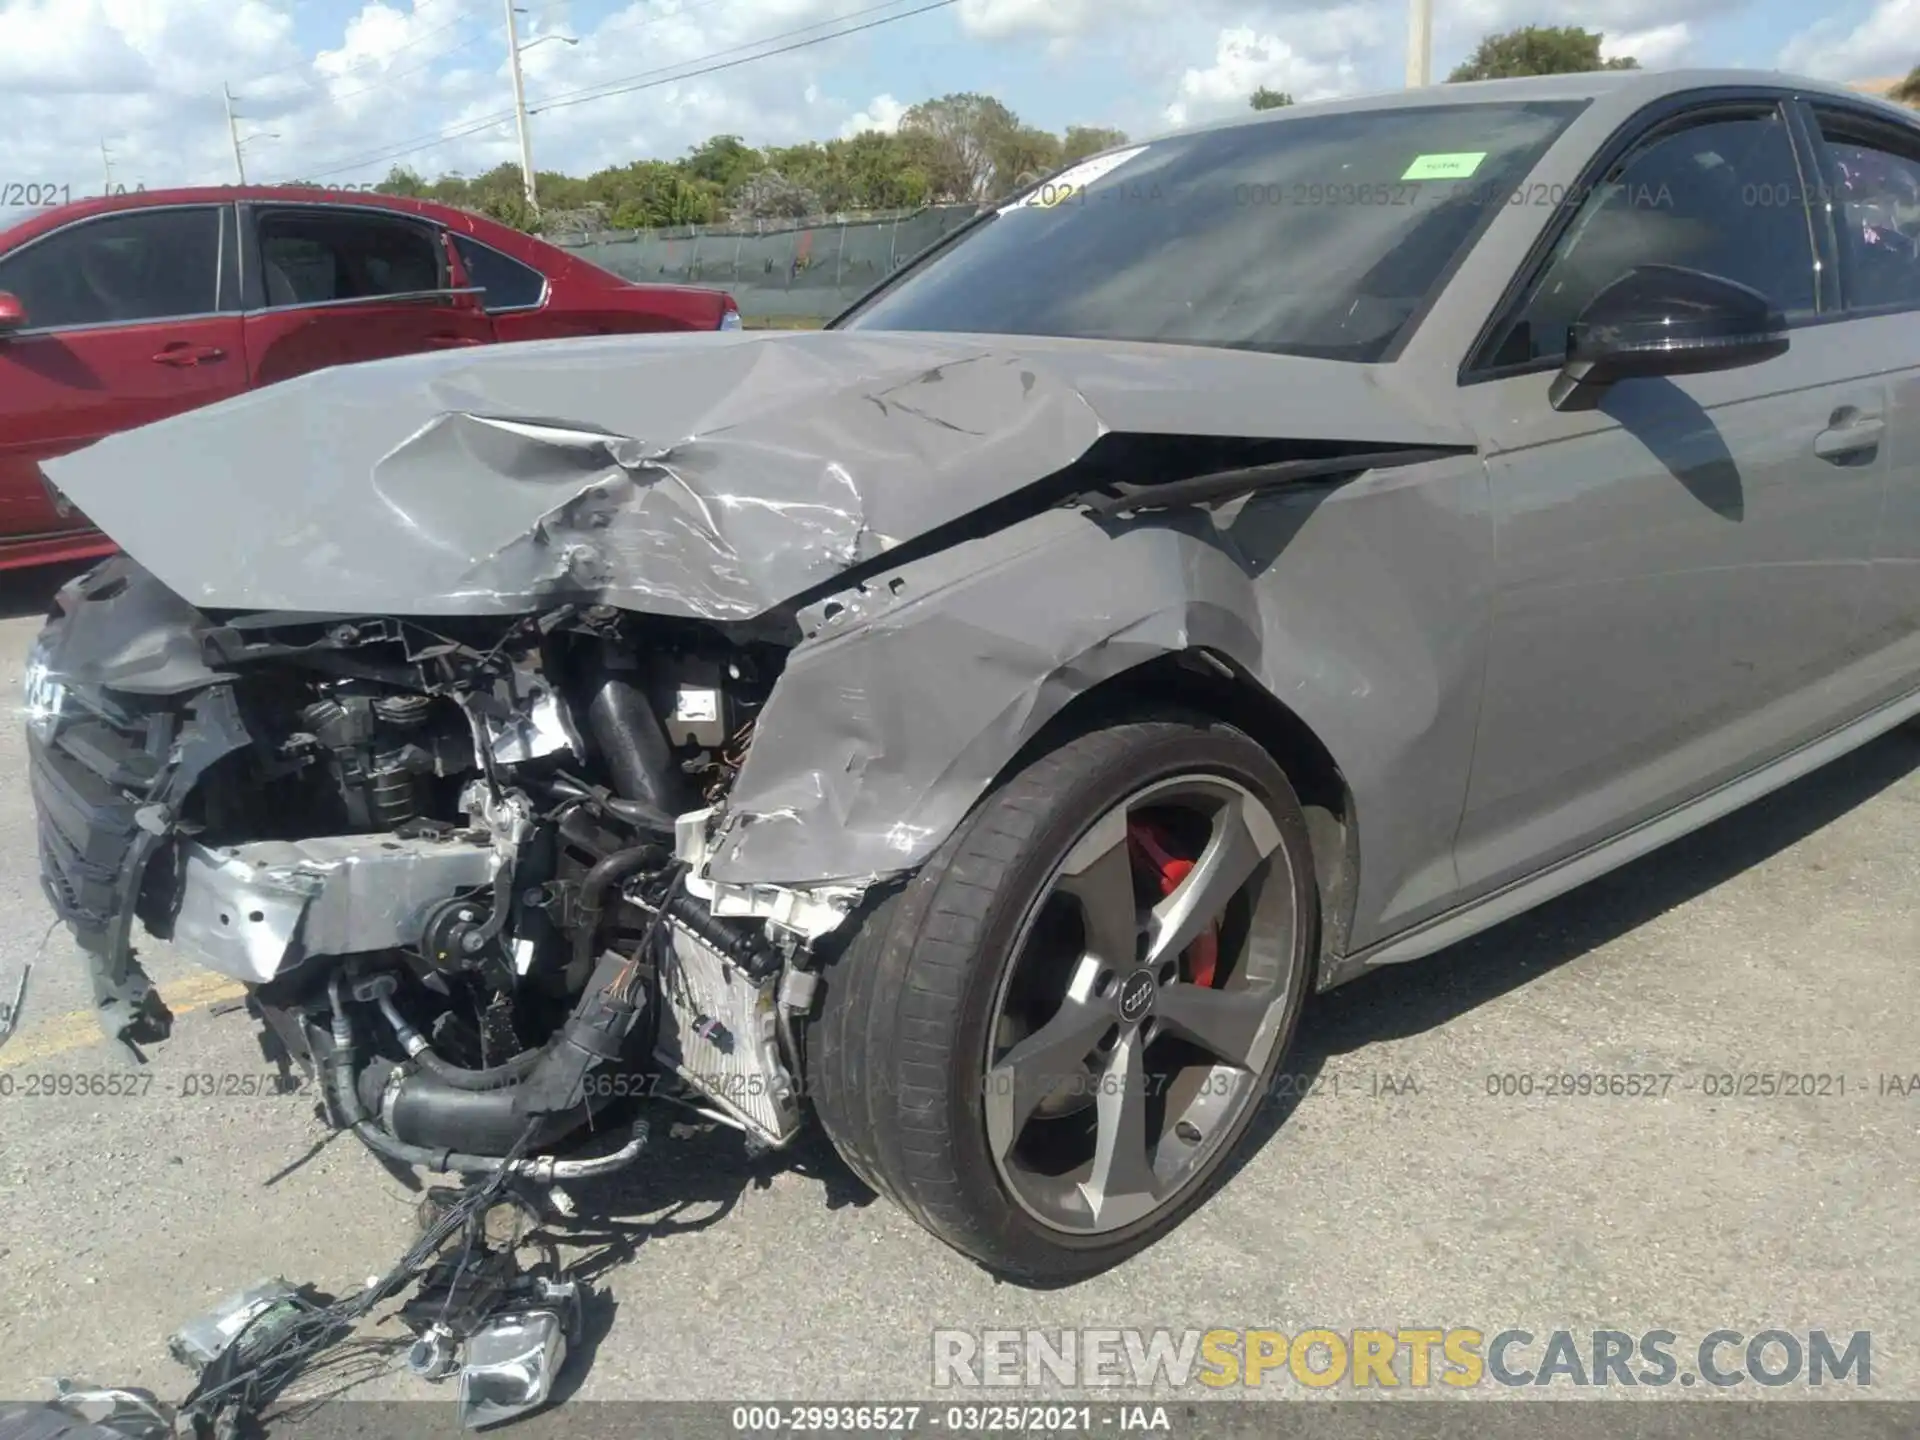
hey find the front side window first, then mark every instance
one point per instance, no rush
(312, 257)
(1876, 210)
(1723, 196)
(120, 269)
(1312, 234)
(508, 284)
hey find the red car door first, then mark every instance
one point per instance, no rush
(118, 320)
(334, 285)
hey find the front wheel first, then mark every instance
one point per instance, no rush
(1047, 1043)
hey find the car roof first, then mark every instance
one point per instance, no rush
(1624, 90)
(22, 224)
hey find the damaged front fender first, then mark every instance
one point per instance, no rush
(916, 689)
(913, 692)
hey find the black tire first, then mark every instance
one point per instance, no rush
(898, 1053)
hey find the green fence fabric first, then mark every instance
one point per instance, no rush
(799, 272)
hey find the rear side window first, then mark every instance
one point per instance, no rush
(1722, 195)
(509, 285)
(1876, 211)
(313, 257)
(120, 269)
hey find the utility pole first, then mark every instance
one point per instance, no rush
(1419, 43)
(520, 110)
(106, 161)
(233, 129)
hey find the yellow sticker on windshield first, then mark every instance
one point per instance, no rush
(1444, 167)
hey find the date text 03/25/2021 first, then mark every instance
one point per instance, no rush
(45, 194)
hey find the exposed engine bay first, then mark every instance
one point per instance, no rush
(459, 864)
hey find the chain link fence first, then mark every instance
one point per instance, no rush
(801, 271)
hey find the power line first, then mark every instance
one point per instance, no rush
(410, 147)
(650, 21)
(313, 83)
(567, 99)
(307, 64)
(641, 82)
(427, 64)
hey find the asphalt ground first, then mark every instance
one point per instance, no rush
(1398, 1192)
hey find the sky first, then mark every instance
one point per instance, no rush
(340, 90)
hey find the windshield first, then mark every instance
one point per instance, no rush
(1310, 235)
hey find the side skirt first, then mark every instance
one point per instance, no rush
(1524, 894)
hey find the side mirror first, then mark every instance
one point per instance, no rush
(13, 315)
(1665, 320)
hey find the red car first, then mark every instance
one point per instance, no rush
(118, 312)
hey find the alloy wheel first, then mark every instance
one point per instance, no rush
(1134, 1026)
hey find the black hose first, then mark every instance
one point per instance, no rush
(593, 890)
(647, 818)
(353, 1113)
(502, 902)
(631, 741)
(496, 1077)
(440, 1160)
(456, 1077)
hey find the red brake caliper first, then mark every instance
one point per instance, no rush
(1203, 955)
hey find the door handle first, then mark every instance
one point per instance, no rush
(447, 341)
(1849, 436)
(182, 354)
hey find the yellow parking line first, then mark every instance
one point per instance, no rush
(79, 1029)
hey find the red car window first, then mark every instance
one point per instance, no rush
(146, 265)
(509, 285)
(310, 257)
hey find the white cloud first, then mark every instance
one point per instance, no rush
(999, 19)
(1315, 61)
(883, 113)
(1883, 44)
(146, 76)
(1661, 46)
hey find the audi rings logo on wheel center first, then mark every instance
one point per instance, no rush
(1136, 995)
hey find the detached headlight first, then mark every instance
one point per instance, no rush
(42, 693)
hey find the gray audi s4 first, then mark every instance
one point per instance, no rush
(1251, 557)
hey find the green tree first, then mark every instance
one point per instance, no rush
(725, 162)
(1080, 141)
(958, 135)
(404, 182)
(883, 172)
(1538, 50)
(1268, 99)
(1907, 91)
(1022, 156)
(954, 147)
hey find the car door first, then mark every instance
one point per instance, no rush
(1681, 572)
(129, 317)
(1869, 169)
(335, 285)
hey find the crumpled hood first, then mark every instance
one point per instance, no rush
(707, 475)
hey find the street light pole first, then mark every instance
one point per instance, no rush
(233, 134)
(520, 110)
(1419, 43)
